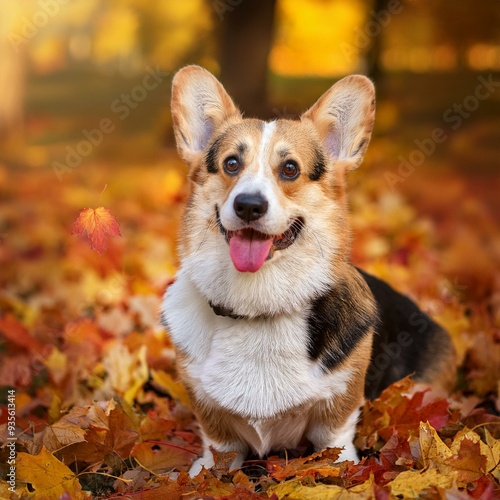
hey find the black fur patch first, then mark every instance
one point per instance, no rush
(211, 156)
(319, 167)
(336, 325)
(407, 340)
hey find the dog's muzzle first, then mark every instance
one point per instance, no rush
(249, 248)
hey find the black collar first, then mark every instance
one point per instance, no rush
(224, 311)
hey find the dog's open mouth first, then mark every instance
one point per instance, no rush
(249, 249)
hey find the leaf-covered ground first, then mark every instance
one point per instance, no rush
(99, 411)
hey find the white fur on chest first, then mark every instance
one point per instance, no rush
(257, 368)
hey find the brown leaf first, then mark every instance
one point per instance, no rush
(469, 463)
(222, 461)
(318, 465)
(62, 433)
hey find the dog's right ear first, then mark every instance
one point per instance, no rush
(199, 105)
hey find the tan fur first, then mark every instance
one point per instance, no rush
(333, 413)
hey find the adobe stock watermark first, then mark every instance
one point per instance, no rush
(454, 116)
(31, 25)
(223, 6)
(121, 107)
(371, 29)
(11, 439)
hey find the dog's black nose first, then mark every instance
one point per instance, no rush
(249, 207)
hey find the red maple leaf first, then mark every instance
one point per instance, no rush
(98, 224)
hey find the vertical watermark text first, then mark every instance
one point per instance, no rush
(11, 439)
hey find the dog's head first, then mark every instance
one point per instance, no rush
(265, 226)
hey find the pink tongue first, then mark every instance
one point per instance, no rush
(249, 254)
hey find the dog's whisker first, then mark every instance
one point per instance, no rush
(303, 226)
(299, 224)
(211, 224)
(203, 239)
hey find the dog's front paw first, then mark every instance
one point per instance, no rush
(349, 453)
(199, 463)
(207, 461)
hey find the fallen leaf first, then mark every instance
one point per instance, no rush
(469, 462)
(295, 490)
(411, 483)
(98, 224)
(434, 452)
(493, 455)
(57, 365)
(298, 468)
(175, 388)
(62, 433)
(160, 456)
(127, 371)
(50, 478)
(223, 460)
(18, 334)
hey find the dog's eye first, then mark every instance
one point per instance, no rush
(232, 165)
(290, 170)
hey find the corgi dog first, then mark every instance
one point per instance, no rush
(278, 337)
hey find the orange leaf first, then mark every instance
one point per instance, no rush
(18, 334)
(468, 462)
(99, 225)
(158, 456)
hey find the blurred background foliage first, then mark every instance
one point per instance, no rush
(63, 63)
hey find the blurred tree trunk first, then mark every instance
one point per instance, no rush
(245, 34)
(12, 76)
(374, 53)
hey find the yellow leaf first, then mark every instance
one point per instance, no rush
(49, 477)
(57, 364)
(175, 388)
(294, 490)
(127, 372)
(493, 455)
(54, 412)
(433, 451)
(411, 483)
(7, 492)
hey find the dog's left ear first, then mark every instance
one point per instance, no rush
(199, 106)
(344, 117)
